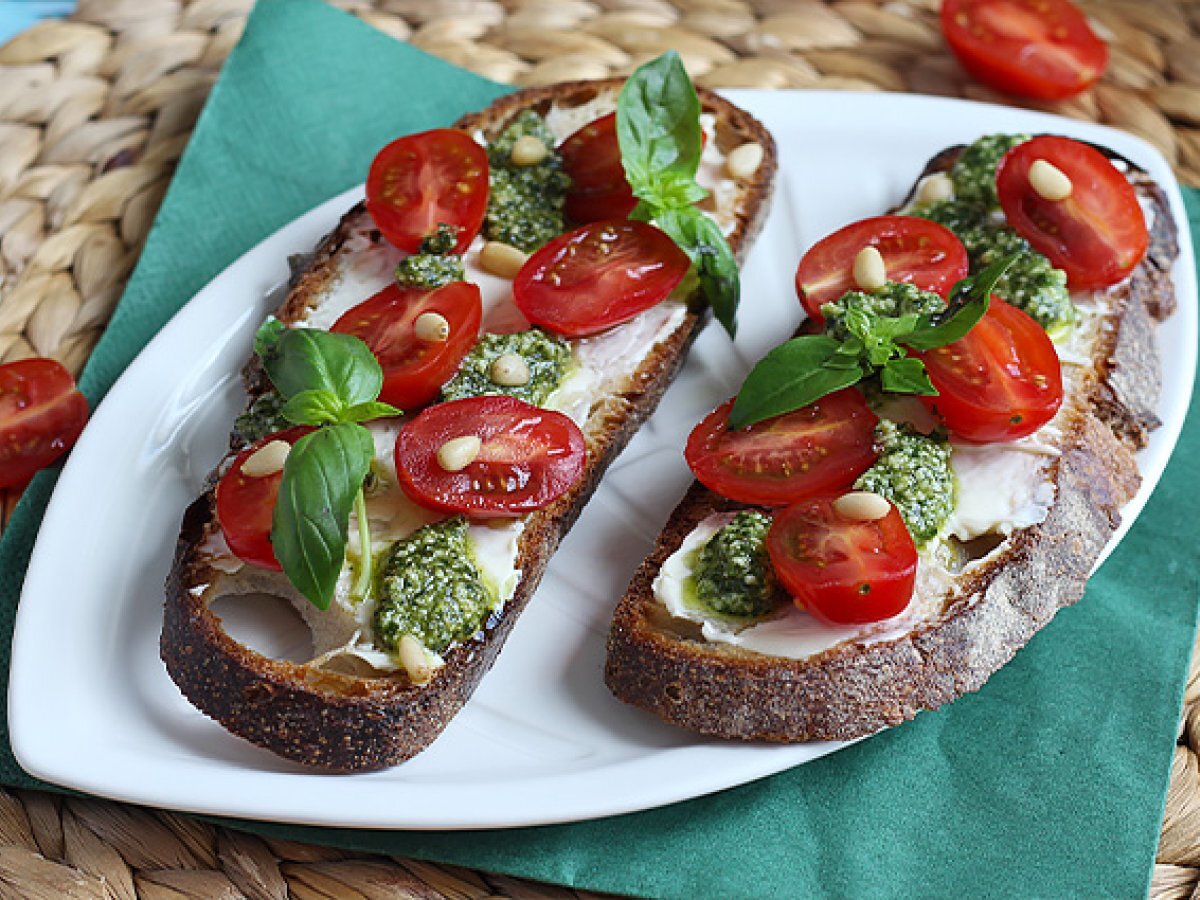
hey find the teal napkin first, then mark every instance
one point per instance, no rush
(1048, 782)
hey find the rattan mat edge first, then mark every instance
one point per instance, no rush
(96, 110)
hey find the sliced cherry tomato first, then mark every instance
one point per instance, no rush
(599, 189)
(820, 448)
(598, 276)
(914, 250)
(843, 570)
(414, 370)
(1000, 382)
(246, 504)
(41, 415)
(1097, 234)
(1042, 49)
(528, 457)
(420, 181)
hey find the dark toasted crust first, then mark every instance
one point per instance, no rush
(340, 722)
(853, 689)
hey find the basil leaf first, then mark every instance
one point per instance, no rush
(906, 376)
(701, 239)
(306, 359)
(323, 474)
(791, 376)
(364, 412)
(314, 408)
(658, 125)
(969, 300)
(268, 335)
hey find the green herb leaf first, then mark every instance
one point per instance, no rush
(969, 300)
(268, 335)
(906, 376)
(323, 474)
(303, 359)
(792, 375)
(701, 239)
(314, 407)
(364, 412)
(658, 126)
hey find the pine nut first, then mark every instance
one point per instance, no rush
(458, 453)
(1050, 182)
(527, 151)
(870, 273)
(414, 659)
(935, 188)
(509, 370)
(267, 459)
(502, 259)
(744, 161)
(431, 327)
(862, 506)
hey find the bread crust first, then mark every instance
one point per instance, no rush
(341, 722)
(854, 689)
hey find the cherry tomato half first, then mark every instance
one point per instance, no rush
(528, 457)
(420, 181)
(822, 447)
(246, 504)
(1043, 49)
(843, 570)
(41, 416)
(598, 276)
(414, 370)
(1097, 234)
(599, 189)
(1000, 382)
(914, 250)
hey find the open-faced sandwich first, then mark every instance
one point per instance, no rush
(899, 497)
(441, 390)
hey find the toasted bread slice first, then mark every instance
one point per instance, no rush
(962, 625)
(336, 712)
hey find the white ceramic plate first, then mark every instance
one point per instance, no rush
(91, 706)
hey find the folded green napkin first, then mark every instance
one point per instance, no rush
(1048, 782)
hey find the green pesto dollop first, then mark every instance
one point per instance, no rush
(547, 355)
(733, 576)
(265, 416)
(431, 588)
(525, 203)
(434, 265)
(974, 172)
(913, 471)
(893, 299)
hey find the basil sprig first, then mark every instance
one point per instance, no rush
(806, 368)
(658, 128)
(331, 382)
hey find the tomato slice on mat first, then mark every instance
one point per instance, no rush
(246, 504)
(822, 447)
(420, 181)
(526, 457)
(1043, 49)
(598, 276)
(599, 189)
(1097, 234)
(1000, 382)
(916, 251)
(839, 569)
(414, 369)
(41, 416)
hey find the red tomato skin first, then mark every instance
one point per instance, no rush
(415, 370)
(421, 180)
(1098, 234)
(1047, 50)
(592, 158)
(598, 276)
(1003, 369)
(840, 570)
(529, 458)
(915, 251)
(41, 416)
(822, 447)
(246, 506)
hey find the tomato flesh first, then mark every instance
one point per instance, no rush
(422, 180)
(822, 447)
(1000, 382)
(841, 570)
(528, 457)
(597, 276)
(1098, 234)
(1042, 49)
(414, 370)
(599, 189)
(916, 251)
(246, 505)
(41, 416)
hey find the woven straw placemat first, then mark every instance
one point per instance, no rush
(96, 110)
